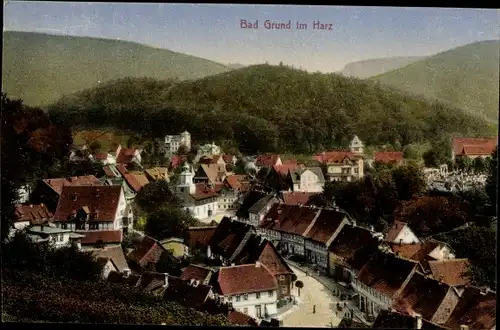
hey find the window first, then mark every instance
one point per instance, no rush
(245, 297)
(258, 311)
(64, 226)
(282, 277)
(61, 237)
(356, 170)
(257, 295)
(230, 298)
(238, 298)
(245, 310)
(284, 289)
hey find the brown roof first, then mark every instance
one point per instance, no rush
(285, 169)
(198, 236)
(203, 192)
(474, 309)
(297, 198)
(235, 181)
(114, 253)
(394, 320)
(422, 255)
(333, 156)
(452, 272)
(421, 295)
(195, 272)
(107, 170)
(405, 250)
(126, 155)
(386, 273)
(106, 236)
(186, 294)
(266, 160)
(101, 155)
(58, 183)
(213, 171)
(264, 252)
(35, 214)
(355, 245)
(129, 178)
(394, 231)
(228, 237)
(140, 177)
(153, 282)
(388, 156)
(101, 202)
(146, 250)
(245, 279)
(474, 146)
(291, 219)
(325, 225)
(157, 173)
(176, 161)
(241, 319)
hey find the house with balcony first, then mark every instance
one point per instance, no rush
(252, 289)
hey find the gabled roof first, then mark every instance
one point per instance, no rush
(266, 160)
(285, 168)
(394, 231)
(129, 178)
(325, 225)
(177, 161)
(290, 219)
(58, 183)
(297, 198)
(249, 200)
(245, 279)
(333, 156)
(186, 294)
(297, 173)
(213, 171)
(422, 255)
(394, 320)
(422, 295)
(260, 204)
(234, 181)
(114, 253)
(203, 192)
(157, 173)
(153, 282)
(140, 177)
(228, 236)
(198, 236)
(106, 236)
(388, 156)
(452, 272)
(474, 309)
(101, 201)
(241, 319)
(126, 155)
(195, 272)
(355, 245)
(146, 249)
(475, 146)
(35, 214)
(405, 250)
(386, 273)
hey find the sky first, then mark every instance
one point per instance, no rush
(214, 31)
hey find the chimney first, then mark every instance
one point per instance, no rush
(418, 317)
(166, 280)
(372, 228)
(257, 264)
(401, 242)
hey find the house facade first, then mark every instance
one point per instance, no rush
(258, 210)
(401, 233)
(172, 143)
(473, 147)
(307, 179)
(56, 236)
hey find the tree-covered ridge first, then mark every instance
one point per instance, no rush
(40, 68)
(265, 108)
(465, 77)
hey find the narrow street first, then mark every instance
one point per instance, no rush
(313, 293)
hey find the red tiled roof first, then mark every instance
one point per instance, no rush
(198, 236)
(474, 309)
(177, 161)
(325, 225)
(106, 236)
(485, 146)
(245, 279)
(203, 191)
(297, 198)
(291, 219)
(58, 183)
(126, 155)
(129, 178)
(290, 162)
(146, 250)
(394, 231)
(452, 272)
(386, 273)
(101, 201)
(405, 250)
(241, 319)
(285, 169)
(267, 160)
(185, 294)
(270, 257)
(388, 156)
(422, 255)
(195, 272)
(228, 236)
(421, 295)
(235, 181)
(35, 214)
(333, 156)
(355, 245)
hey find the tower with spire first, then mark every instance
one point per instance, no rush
(356, 146)
(186, 184)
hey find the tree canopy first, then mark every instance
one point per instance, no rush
(168, 221)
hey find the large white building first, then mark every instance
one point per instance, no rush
(172, 143)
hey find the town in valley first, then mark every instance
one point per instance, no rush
(148, 186)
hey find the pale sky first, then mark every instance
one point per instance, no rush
(213, 31)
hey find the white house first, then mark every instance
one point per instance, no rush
(57, 236)
(356, 145)
(210, 149)
(308, 179)
(237, 285)
(401, 233)
(199, 199)
(172, 143)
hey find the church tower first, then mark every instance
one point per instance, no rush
(356, 146)
(186, 184)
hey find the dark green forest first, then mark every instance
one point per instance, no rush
(267, 108)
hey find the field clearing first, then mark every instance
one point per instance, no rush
(106, 138)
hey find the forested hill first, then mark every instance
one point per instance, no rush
(40, 68)
(376, 66)
(267, 107)
(465, 77)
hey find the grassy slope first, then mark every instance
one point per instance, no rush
(376, 66)
(466, 77)
(40, 68)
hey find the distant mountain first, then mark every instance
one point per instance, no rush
(40, 68)
(235, 66)
(465, 77)
(376, 66)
